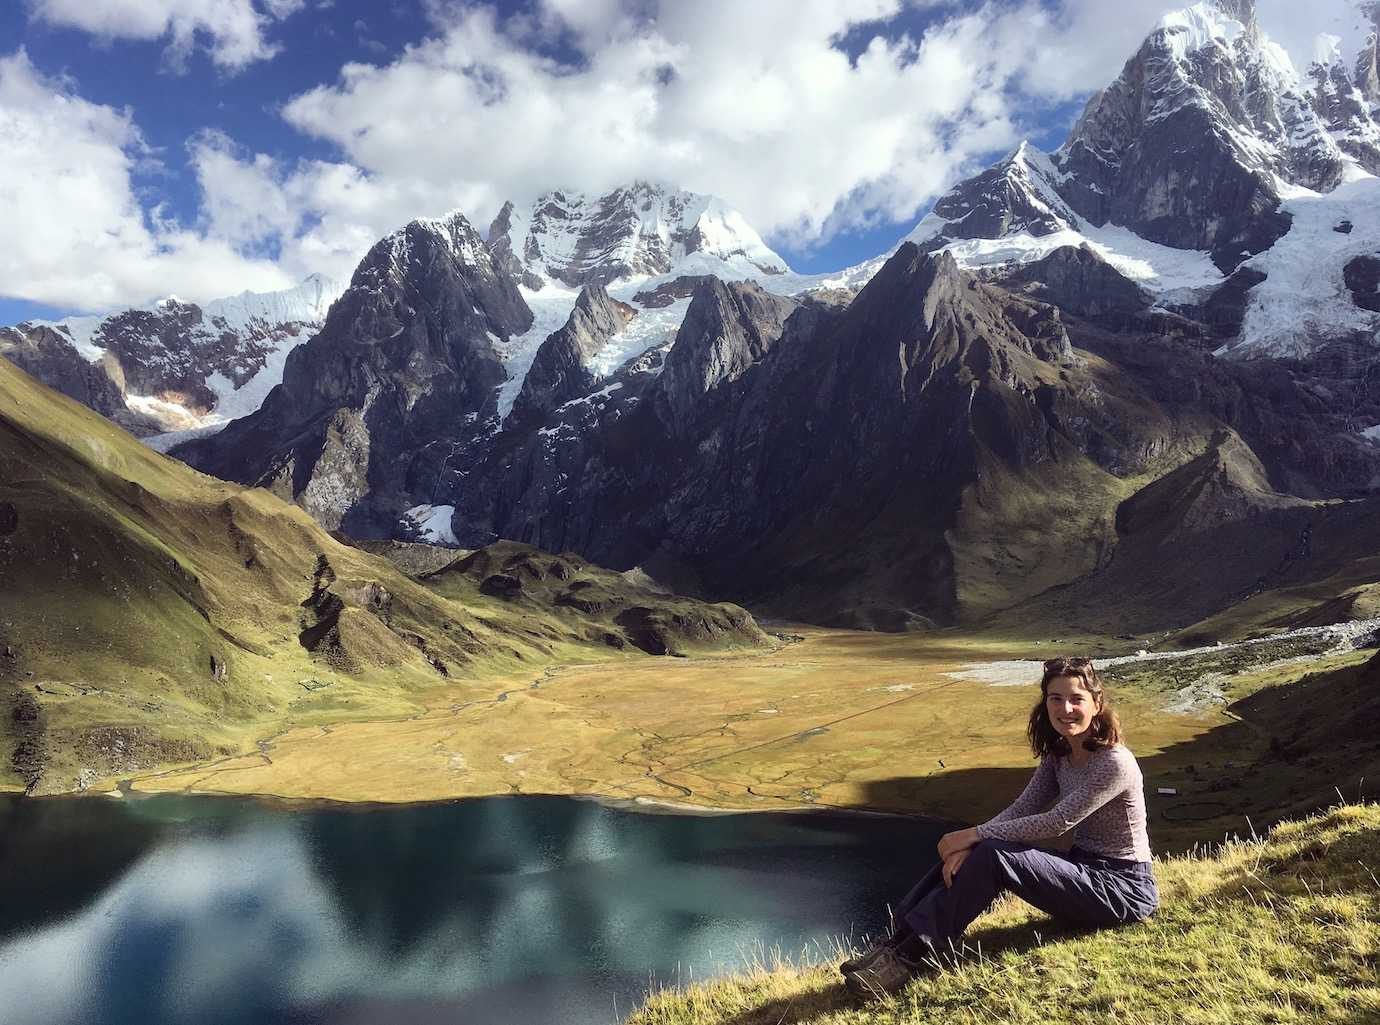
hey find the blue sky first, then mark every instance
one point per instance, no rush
(245, 155)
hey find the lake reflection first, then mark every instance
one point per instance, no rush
(483, 912)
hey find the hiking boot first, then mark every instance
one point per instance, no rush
(865, 959)
(888, 973)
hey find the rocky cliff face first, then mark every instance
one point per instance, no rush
(403, 371)
(1186, 145)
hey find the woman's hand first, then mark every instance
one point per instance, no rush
(958, 840)
(953, 863)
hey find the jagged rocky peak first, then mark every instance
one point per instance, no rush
(1346, 94)
(1208, 91)
(641, 229)
(957, 311)
(402, 375)
(1019, 194)
(432, 256)
(560, 370)
(727, 328)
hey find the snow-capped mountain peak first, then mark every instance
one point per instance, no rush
(187, 365)
(1206, 24)
(639, 230)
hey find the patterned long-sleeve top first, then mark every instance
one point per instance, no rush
(1103, 803)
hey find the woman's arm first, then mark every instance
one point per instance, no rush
(1039, 792)
(1041, 789)
(1109, 776)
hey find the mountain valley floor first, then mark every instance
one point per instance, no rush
(839, 720)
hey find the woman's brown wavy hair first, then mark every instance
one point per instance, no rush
(1105, 729)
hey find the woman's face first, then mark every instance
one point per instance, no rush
(1070, 706)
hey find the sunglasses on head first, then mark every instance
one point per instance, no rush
(1051, 663)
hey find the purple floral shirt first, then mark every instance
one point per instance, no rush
(1103, 803)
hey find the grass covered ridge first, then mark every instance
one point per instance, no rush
(152, 616)
(1282, 929)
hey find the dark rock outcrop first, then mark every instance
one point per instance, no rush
(668, 292)
(1225, 310)
(622, 612)
(1078, 281)
(1362, 276)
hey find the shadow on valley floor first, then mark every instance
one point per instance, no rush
(95, 854)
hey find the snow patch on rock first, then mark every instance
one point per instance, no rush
(433, 522)
(1304, 299)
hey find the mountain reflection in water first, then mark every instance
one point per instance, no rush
(492, 911)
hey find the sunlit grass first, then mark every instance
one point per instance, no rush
(1282, 929)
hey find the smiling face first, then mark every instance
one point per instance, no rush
(1070, 706)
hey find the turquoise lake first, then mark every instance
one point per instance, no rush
(492, 911)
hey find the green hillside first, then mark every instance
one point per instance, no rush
(151, 615)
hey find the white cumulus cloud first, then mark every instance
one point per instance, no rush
(76, 235)
(754, 102)
(235, 30)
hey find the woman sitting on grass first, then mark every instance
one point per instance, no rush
(1096, 789)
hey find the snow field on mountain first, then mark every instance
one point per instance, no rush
(1149, 264)
(80, 330)
(232, 402)
(650, 328)
(1158, 268)
(434, 523)
(550, 306)
(248, 311)
(1305, 298)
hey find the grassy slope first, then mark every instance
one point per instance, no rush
(1286, 929)
(152, 614)
(1278, 562)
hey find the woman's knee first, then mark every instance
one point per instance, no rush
(984, 856)
(991, 850)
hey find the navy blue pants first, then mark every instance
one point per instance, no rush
(1076, 887)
